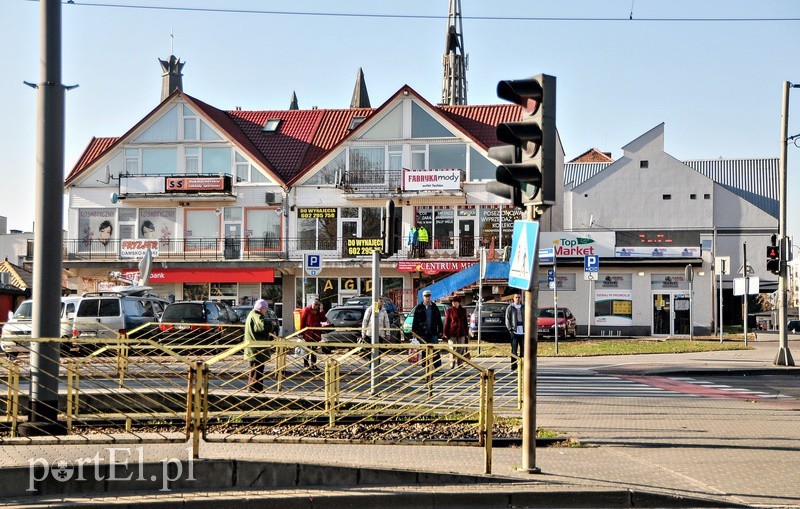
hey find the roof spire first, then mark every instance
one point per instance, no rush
(171, 75)
(360, 95)
(293, 103)
(454, 60)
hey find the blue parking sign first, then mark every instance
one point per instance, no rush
(551, 275)
(313, 263)
(591, 263)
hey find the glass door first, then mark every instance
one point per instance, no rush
(466, 236)
(662, 314)
(680, 320)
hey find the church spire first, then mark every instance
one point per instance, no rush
(454, 60)
(171, 75)
(360, 95)
(293, 103)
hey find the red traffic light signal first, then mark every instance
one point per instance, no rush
(774, 259)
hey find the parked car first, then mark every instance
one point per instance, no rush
(19, 325)
(493, 323)
(566, 323)
(199, 321)
(349, 317)
(243, 311)
(793, 326)
(109, 314)
(409, 320)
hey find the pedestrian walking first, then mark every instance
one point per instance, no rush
(515, 323)
(256, 328)
(383, 322)
(427, 324)
(311, 319)
(455, 330)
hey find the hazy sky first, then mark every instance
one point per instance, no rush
(716, 84)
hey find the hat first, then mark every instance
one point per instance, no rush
(456, 299)
(260, 304)
(426, 293)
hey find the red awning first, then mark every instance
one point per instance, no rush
(232, 275)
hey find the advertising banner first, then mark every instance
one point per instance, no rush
(133, 248)
(184, 184)
(432, 267)
(668, 282)
(614, 282)
(658, 252)
(95, 225)
(362, 247)
(431, 180)
(316, 213)
(613, 307)
(579, 244)
(157, 224)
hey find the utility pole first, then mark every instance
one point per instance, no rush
(784, 356)
(48, 237)
(746, 290)
(530, 364)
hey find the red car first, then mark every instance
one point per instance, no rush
(566, 323)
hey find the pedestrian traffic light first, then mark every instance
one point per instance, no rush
(774, 259)
(392, 229)
(528, 162)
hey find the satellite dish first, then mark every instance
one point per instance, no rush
(144, 268)
(114, 197)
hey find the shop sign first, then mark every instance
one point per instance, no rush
(184, 184)
(362, 247)
(658, 252)
(579, 244)
(316, 213)
(136, 248)
(195, 275)
(668, 282)
(431, 180)
(614, 282)
(432, 267)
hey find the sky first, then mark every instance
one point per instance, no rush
(715, 84)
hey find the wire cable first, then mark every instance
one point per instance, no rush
(426, 16)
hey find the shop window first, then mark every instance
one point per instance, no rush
(195, 291)
(317, 228)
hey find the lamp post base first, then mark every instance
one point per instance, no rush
(784, 357)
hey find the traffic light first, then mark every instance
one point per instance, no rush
(527, 171)
(774, 259)
(392, 229)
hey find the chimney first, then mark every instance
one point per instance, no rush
(171, 76)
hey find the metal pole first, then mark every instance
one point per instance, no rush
(746, 289)
(720, 301)
(48, 237)
(529, 362)
(481, 262)
(691, 308)
(555, 304)
(589, 311)
(783, 356)
(376, 286)
(714, 279)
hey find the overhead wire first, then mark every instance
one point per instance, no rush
(429, 16)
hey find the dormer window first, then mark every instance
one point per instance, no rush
(355, 122)
(271, 126)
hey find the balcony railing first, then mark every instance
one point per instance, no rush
(249, 248)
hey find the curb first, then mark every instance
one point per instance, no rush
(788, 370)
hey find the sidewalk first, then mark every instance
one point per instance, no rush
(727, 450)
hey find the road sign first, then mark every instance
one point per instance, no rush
(591, 263)
(551, 275)
(752, 286)
(750, 270)
(313, 264)
(590, 276)
(722, 264)
(523, 246)
(547, 255)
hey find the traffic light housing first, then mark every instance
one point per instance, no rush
(392, 229)
(774, 259)
(527, 171)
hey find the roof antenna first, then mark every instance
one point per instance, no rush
(631, 15)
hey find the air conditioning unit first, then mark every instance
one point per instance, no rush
(272, 198)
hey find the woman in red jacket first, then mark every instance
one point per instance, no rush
(312, 318)
(455, 329)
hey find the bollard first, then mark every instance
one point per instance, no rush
(489, 421)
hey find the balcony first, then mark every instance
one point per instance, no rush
(248, 249)
(370, 182)
(175, 186)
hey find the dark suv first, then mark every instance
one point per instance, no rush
(207, 322)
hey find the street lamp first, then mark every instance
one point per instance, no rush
(783, 356)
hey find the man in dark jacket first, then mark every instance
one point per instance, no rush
(427, 324)
(515, 323)
(256, 328)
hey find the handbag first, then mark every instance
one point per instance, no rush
(414, 353)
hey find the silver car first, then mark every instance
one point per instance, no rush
(19, 325)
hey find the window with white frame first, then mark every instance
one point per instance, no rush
(216, 160)
(192, 155)
(263, 228)
(367, 165)
(201, 230)
(132, 159)
(191, 123)
(159, 161)
(332, 171)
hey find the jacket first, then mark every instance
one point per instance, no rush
(310, 318)
(256, 328)
(455, 322)
(513, 316)
(422, 234)
(383, 322)
(419, 325)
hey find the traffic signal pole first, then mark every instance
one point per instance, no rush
(530, 364)
(784, 356)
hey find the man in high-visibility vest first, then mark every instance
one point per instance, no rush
(422, 235)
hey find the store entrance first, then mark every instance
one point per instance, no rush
(466, 237)
(671, 314)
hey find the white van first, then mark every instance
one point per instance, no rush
(19, 325)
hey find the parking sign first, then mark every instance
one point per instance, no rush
(313, 264)
(591, 267)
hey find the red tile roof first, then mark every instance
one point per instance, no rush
(305, 136)
(593, 156)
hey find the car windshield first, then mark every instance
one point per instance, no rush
(548, 313)
(24, 311)
(345, 315)
(192, 312)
